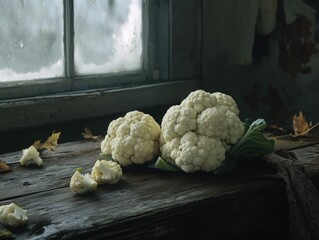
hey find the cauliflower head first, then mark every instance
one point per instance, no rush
(13, 215)
(197, 133)
(106, 172)
(133, 138)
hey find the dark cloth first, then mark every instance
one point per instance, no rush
(302, 195)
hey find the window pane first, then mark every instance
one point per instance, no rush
(31, 39)
(108, 36)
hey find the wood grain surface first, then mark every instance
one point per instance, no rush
(146, 203)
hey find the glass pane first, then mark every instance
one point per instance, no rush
(31, 39)
(108, 36)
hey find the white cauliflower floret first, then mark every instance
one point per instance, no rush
(200, 100)
(13, 215)
(227, 101)
(82, 184)
(169, 149)
(30, 156)
(197, 133)
(177, 121)
(106, 172)
(199, 153)
(133, 138)
(219, 122)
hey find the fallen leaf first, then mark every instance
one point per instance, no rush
(306, 132)
(50, 144)
(87, 134)
(4, 167)
(299, 123)
(300, 137)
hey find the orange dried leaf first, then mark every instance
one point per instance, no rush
(87, 134)
(4, 167)
(50, 144)
(299, 123)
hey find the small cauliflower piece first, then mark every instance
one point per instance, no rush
(30, 156)
(106, 172)
(12, 215)
(197, 133)
(133, 138)
(82, 184)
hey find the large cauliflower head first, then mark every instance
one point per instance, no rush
(133, 138)
(197, 133)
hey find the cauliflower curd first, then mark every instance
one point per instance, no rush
(82, 184)
(12, 215)
(197, 133)
(106, 172)
(133, 138)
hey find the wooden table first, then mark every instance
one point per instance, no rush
(147, 203)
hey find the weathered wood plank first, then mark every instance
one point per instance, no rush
(146, 203)
(66, 150)
(145, 194)
(56, 171)
(37, 111)
(309, 157)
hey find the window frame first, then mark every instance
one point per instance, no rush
(44, 101)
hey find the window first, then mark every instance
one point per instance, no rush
(37, 40)
(31, 39)
(108, 36)
(94, 57)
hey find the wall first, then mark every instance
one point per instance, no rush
(261, 88)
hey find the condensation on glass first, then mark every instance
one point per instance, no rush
(31, 39)
(108, 36)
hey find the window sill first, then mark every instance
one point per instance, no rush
(30, 112)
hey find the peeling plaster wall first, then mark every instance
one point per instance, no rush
(261, 89)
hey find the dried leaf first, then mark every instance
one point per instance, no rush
(4, 167)
(50, 144)
(87, 134)
(300, 127)
(307, 131)
(299, 123)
